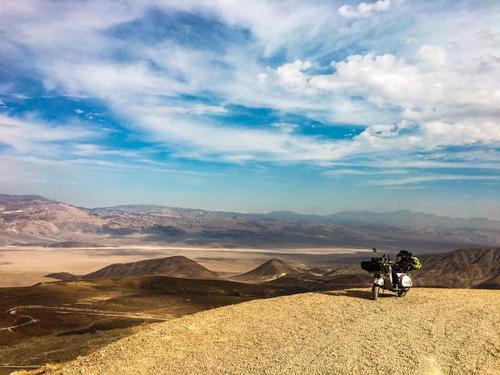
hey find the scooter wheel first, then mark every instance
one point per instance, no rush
(375, 291)
(401, 293)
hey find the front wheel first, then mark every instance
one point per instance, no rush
(375, 291)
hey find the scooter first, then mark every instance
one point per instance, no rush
(381, 267)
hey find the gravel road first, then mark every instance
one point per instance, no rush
(430, 331)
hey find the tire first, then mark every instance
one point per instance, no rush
(375, 291)
(402, 293)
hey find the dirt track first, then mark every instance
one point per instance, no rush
(430, 331)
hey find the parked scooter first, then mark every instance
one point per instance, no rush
(382, 269)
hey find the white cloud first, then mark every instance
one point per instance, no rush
(29, 135)
(433, 54)
(364, 9)
(94, 150)
(365, 172)
(110, 81)
(292, 77)
(232, 143)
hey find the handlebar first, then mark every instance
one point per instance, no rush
(385, 259)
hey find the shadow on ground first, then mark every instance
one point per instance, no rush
(363, 294)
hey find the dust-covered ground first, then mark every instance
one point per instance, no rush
(430, 331)
(57, 322)
(27, 265)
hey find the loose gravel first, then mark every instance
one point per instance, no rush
(429, 331)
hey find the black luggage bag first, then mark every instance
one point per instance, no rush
(370, 266)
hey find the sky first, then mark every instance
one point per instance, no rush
(314, 106)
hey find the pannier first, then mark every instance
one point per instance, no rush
(370, 266)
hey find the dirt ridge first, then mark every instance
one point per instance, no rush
(438, 331)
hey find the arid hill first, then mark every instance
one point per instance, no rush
(464, 268)
(176, 266)
(63, 276)
(493, 283)
(430, 331)
(271, 270)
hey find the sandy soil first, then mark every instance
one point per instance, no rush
(430, 331)
(24, 266)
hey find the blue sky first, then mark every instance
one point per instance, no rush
(314, 106)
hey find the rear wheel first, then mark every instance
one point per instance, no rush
(402, 293)
(375, 291)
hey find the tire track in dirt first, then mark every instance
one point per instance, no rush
(74, 310)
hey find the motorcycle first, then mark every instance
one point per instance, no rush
(382, 269)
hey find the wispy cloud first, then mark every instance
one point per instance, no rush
(435, 178)
(365, 9)
(29, 135)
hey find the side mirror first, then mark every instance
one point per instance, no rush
(374, 250)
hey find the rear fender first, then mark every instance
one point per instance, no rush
(405, 281)
(378, 281)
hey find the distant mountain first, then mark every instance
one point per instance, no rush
(293, 216)
(400, 219)
(270, 270)
(176, 266)
(34, 219)
(409, 219)
(31, 219)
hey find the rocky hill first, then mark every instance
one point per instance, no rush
(465, 268)
(176, 266)
(271, 270)
(36, 220)
(430, 331)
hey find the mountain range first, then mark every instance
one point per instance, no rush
(35, 220)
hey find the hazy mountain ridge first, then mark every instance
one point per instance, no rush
(400, 218)
(36, 220)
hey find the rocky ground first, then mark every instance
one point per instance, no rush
(430, 331)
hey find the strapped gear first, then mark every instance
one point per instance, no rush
(415, 263)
